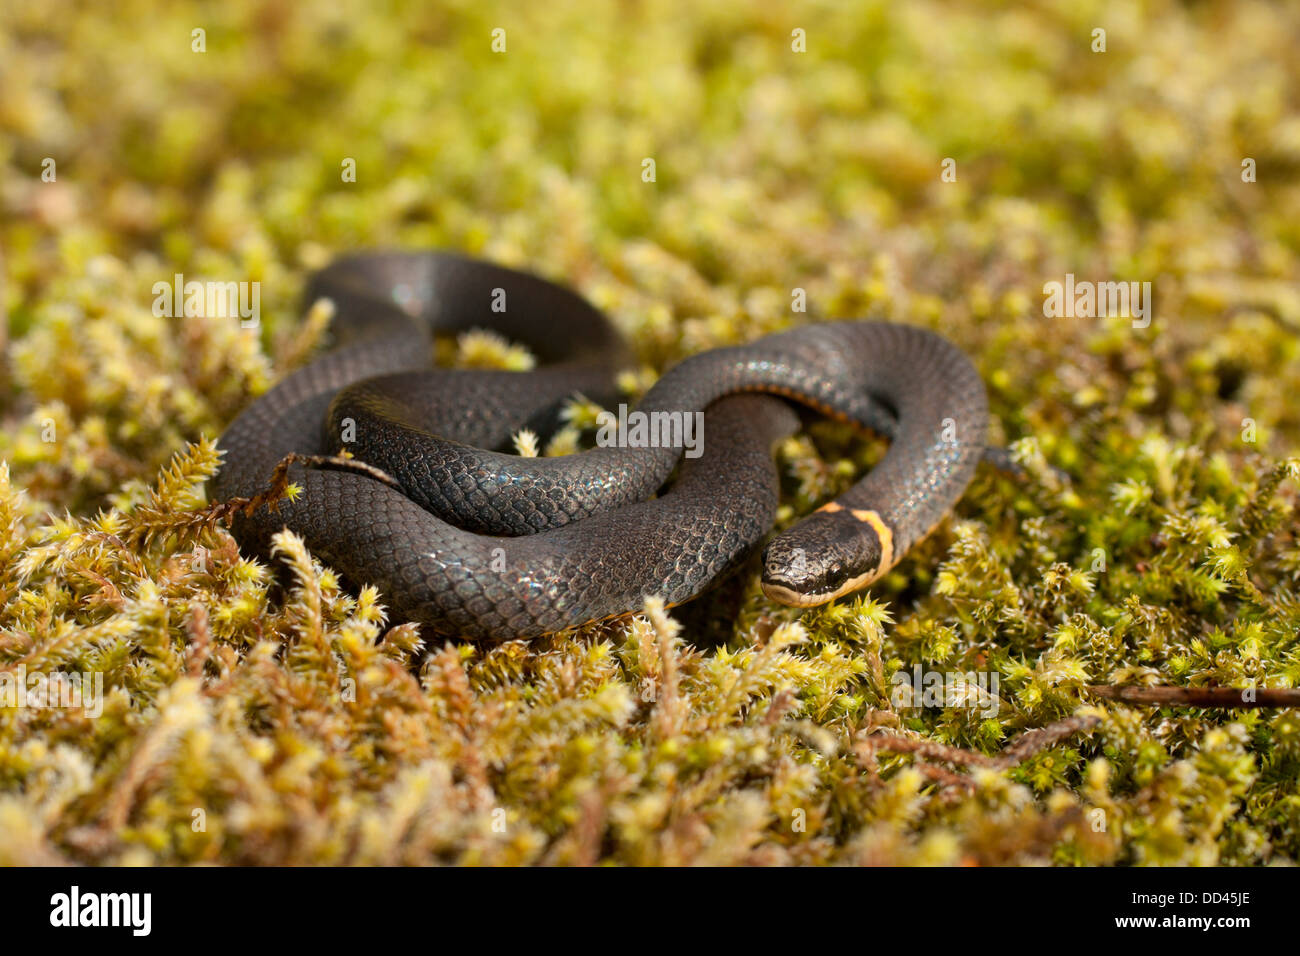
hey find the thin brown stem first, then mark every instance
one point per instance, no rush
(1200, 696)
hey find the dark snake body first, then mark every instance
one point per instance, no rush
(492, 546)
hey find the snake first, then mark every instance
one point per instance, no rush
(416, 492)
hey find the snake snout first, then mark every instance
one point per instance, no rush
(827, 555)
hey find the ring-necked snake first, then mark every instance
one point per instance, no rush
(493, 546)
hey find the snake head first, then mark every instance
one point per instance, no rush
(832, 552)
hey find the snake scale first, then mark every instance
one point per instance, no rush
(491, 546)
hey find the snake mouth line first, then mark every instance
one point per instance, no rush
(788, 596)
(797, 598)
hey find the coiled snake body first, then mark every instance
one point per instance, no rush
(492, 546)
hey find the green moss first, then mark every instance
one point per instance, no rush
(248, 724)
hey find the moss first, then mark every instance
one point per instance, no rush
(248, 722)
